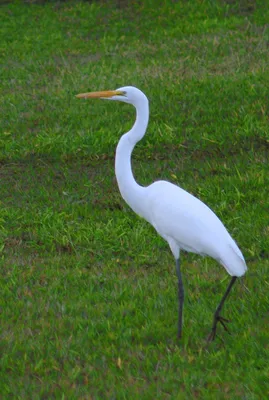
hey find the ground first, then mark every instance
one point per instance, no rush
(88, 305)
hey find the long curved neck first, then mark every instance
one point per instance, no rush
(129, 188)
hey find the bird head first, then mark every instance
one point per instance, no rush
(126, 94)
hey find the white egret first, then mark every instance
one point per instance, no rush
(180, 218)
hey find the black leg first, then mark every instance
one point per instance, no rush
(217, 318)
(180, 298)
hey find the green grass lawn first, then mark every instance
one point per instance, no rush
(88, 304)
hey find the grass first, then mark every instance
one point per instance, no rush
(88, 304)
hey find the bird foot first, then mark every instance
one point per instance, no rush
(213, 332)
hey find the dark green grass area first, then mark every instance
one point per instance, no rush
(88, 304)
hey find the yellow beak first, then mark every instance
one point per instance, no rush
(98, 95)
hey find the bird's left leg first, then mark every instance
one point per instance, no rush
(217, 318)
(180, 298)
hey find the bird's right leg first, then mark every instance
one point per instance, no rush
(180, 298)
(217, 317)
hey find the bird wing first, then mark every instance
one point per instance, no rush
(178, 215)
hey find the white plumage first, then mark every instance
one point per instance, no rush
(181, 219)
(188, 224)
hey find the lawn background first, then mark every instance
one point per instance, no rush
(88, 305)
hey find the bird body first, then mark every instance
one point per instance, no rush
(184, 221)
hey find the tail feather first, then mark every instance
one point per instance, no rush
(233, 261)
